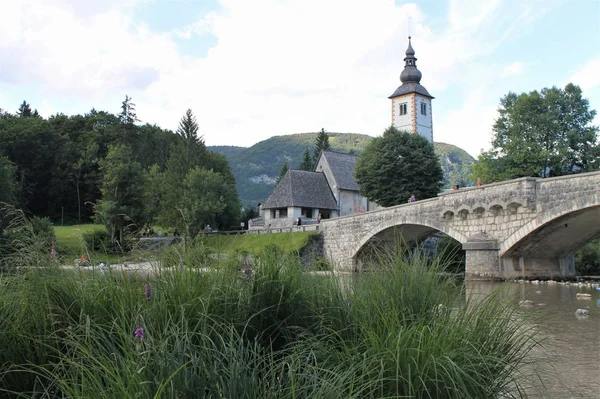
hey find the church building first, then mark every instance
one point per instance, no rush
(331, 190)
(411, 102)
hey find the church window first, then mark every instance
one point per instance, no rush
(423, 109)
(403, 109)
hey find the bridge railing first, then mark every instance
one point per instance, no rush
(292, 229)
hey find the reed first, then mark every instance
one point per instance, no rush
(402, 330)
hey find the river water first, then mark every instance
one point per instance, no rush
(568, 364)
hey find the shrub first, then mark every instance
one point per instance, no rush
(97, 241)
(587, 259)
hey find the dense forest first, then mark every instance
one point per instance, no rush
(104, 167)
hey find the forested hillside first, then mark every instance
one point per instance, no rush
(256, 168)
(113, 170)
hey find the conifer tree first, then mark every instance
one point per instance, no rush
(282, 171)
(321, 144)
(307, 163)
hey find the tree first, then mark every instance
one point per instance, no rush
(188, 128)
(282, 171)
(307, 163)
(8, 183)
(205, 196)
(122, 192)
(397, 164)
(188, 131)
(128, 117)
(545, 133)
(321, 144)
(25, 111)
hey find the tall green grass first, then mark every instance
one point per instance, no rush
(399, 331)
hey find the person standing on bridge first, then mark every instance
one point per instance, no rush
(412, 198)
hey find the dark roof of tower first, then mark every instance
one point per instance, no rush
(411, 88)
(301, 188)
(410, 76)
(342, 168)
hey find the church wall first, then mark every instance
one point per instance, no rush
(322, 166)
(351, 202)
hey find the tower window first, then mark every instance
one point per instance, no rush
(423, 109)
(403, 109)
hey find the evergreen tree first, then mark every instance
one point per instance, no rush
(188, 128)
(282, 171)
(193, 144)
(396, 165)
(307, 163)
(128, 117)
(321, 144)
(25, 111)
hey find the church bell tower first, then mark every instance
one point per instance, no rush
(411, 102)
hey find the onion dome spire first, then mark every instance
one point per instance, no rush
(410, 74)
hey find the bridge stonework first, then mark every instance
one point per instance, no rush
(523, 227)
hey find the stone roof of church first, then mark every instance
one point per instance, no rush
(342, 168)
(300, 188)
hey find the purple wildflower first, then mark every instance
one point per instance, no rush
(148, 291)
(139, 332)
(247, 268)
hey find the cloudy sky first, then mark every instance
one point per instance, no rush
(253, 69)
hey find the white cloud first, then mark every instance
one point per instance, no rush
(588, 76)
(516, 68)
(278, 67)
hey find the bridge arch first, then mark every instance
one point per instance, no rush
(401, 220)
(556, 232)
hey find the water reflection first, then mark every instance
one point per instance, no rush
(568, 364)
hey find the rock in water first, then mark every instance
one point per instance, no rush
(582, 312)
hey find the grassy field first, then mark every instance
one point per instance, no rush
(255, 243)
(71, 246)
(68, 238)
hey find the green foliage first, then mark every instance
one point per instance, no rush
(197, 187)
(307, 163)
(545, 133)
(25, 242)
(321, 144)
(256, 243)
(188, 128)
(121, 205)
(282, 171)
(397, 164)
(587, 259)
(97, 240)
(256, 168)
(204, 198)
(25, 111)
(403, 331)
(457, 165)
(43, 230)
(9, 189)
(128, 115)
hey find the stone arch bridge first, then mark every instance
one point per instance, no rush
(527, 227)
